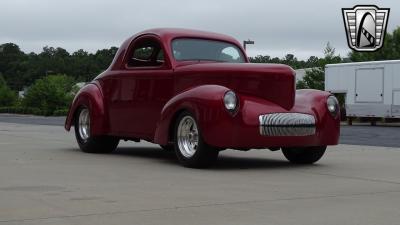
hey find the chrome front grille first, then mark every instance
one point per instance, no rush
(287, 124)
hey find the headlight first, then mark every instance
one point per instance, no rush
(333, 105)
(230, 101)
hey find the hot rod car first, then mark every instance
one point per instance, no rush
(196, 93)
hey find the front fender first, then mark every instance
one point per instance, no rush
(314, 101)
(307, 101)
(204, 102)
(91, 97)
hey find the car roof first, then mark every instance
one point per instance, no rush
(172, 33)
(168, 34)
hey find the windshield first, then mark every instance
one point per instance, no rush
(187, 49)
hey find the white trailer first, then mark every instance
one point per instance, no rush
(371, 89)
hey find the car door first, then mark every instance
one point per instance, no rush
(144, 86)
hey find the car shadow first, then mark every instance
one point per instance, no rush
(241, 163)
(148, 153)
(224, 162)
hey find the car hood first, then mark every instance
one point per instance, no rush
(274, 82)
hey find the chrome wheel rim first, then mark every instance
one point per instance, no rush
(188, 136)
(84, 125)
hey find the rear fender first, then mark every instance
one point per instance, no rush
(90, 96)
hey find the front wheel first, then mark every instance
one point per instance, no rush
(304, 155)
(190, 147)
(87, 142)
(167, 148)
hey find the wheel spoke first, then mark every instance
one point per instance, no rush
(187, 136)
(84, 124)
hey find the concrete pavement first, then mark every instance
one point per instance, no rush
(44, 179)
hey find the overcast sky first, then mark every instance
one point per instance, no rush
(278, 27)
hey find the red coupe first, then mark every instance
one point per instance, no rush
(196, 93)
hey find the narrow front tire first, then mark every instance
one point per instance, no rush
(190, 148)
(167, 148)
(304, 155)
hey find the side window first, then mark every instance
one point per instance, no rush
(230, 54)
(143, 53)
(146, 52)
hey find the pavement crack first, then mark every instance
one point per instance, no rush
(351, 177)
(196, 206)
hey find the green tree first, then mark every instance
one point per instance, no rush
(21, 70)
(315, 77)
(311, 62)
(10, 67)
(390, 49)
(50, 93)
(260, 59)
(7, 96)
(289, 60)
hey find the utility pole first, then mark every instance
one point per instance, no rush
(248, 42)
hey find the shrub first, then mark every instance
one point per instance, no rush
(314, 79)
(50, 94)
(21, 110)
(7, 96)
(60, 112)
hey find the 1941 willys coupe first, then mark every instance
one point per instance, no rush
(196, 93)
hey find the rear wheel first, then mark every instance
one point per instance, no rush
(305, 155)
(87, 142)
(190, 147)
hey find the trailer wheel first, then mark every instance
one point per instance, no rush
(349, 121)
(343, 115)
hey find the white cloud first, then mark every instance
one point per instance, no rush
(278, 27)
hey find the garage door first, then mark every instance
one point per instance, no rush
(369, 85)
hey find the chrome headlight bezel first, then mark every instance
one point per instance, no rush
(332, 105)
(231, 101)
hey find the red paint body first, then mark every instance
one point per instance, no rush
(142, 103)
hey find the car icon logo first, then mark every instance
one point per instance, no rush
(365, 27)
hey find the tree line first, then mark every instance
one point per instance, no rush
(21, 69)
(49, 76)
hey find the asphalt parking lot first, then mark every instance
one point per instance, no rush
(45, 179)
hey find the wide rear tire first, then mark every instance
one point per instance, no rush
(190, 148)
(87, 142)
(304, 155)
